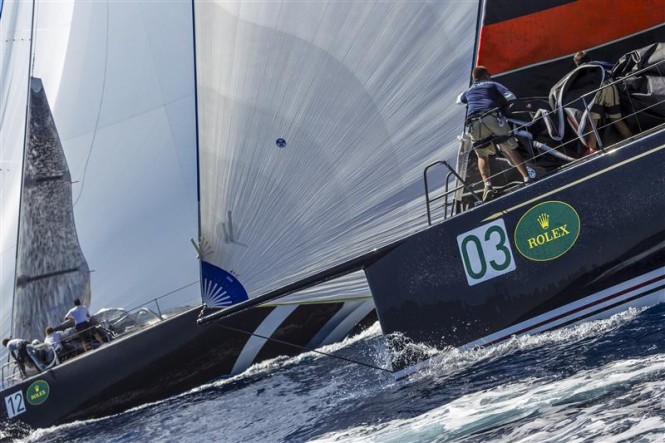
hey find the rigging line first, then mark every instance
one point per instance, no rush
(180, 288)
(99, 110)
(166, 294)
(575, 140)
(573, 183)
(305, 348)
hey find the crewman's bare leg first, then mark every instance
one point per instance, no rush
(518, 162)
(622, 127)
(484, 168)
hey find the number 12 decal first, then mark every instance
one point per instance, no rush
(15, 404)
(486, 252)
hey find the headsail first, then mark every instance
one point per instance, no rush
(120, 81)
(316, 121)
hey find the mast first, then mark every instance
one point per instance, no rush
(196, 132)
(25, 141)
(479, 29)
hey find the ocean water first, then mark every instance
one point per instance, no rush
(600, 381)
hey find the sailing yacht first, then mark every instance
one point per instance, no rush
(276, 137)
(585, 241)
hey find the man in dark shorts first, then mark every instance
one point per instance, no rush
(81, 317)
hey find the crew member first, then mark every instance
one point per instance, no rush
(79, 313)
(608, 98)
(53, 338)
(485, 99)
(19, 351)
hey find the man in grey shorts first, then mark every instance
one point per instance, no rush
(484, 96)
(608, 98)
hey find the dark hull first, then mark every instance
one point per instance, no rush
(422, 290)
(177, 354)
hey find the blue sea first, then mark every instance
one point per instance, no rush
(600, 381)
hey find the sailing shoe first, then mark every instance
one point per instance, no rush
(530, 181)
(488, 193)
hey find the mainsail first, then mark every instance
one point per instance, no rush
(316, 121)
(51, 271)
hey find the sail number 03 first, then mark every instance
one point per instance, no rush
(486, 252)
(15, 404)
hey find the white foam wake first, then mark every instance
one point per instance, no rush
(538, 410)
(451, 361)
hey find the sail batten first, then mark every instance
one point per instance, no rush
(22, 280)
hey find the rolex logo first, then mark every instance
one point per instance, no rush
(544, 221)
(547, 230)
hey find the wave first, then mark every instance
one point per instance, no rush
(588, 405)
(599, 379)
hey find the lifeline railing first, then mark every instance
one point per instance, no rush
(451, 208)
(10, 374)
(448, 207)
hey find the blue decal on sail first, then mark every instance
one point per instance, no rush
(220, 288)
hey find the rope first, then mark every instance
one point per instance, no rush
(305, 348)
(165, 294)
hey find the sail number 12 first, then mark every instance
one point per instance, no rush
(486, 252)
(15, 404)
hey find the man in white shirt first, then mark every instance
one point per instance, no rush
(81, 317)
(53, 339)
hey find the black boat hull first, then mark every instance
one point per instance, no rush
(174, 356)
(494, 271)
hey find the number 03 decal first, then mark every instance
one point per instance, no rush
(486, 252)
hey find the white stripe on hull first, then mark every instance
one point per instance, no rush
(265, 329)
(342, 323)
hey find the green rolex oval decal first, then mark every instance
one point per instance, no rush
(38, 392)
(547, 231)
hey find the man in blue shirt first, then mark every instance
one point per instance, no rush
(485, 99)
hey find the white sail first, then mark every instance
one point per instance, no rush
(119, 78)
(317, 120)
(125, 110)
(15, 37)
